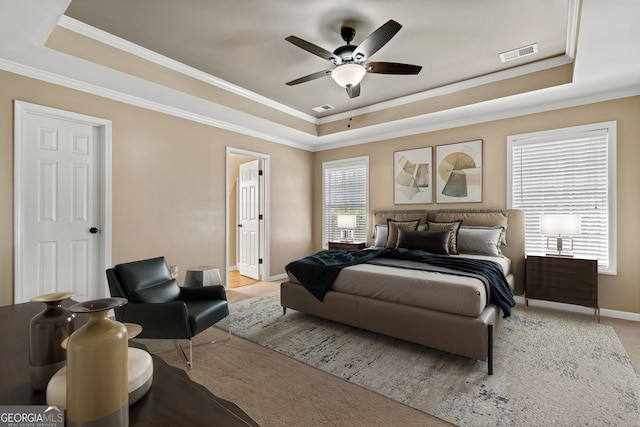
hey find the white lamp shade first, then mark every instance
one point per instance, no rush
(348, 74)
(346, 221)
(560, 224)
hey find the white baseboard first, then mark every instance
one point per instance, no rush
(277, 277)
(269, 279)
(604, 312)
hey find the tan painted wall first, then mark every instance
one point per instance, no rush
(168, 183)
(620, 292)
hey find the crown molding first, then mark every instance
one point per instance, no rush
(269, 134)
(156, 58)
(534, 102)
(86, 30)
(131, 48)
(22, 54)
(452, 88)
(545, 64)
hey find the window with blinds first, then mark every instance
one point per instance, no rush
(345, 191)
(568, 171)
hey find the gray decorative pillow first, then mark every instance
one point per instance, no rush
(392, 240)
(436, 242)
(476, 219)
(453, 227)
(481, 240)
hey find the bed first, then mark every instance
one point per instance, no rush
(454, 313)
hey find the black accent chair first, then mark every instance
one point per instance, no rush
(163, 308)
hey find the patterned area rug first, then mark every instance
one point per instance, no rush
(547, 370)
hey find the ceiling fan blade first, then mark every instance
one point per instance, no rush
(376, 40)
(310, 77)
(353, 91)
(316, 50)
(391, 68)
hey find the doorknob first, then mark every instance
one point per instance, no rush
(93, 230)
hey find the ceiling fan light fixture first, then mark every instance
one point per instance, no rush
(348, 75)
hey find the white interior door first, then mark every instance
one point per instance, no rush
(249, 219)
(60, 233)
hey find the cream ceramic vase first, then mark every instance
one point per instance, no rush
(97, 368)
(47, 330)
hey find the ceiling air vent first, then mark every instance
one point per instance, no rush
(323, 108)
(519, 53)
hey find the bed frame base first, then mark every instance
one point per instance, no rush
(490, 348)
(466, 336)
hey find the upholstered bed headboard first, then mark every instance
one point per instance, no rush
(513, 249)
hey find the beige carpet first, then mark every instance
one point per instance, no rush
(279, 391)
(531, 387)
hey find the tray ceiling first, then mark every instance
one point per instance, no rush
(243, 42)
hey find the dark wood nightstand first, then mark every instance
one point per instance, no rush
(562, 279)
(346, 245)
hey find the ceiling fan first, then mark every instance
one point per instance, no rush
(351, 61)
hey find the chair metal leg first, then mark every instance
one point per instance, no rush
(186, 359)
(490, 348)
(222, 340)
(189, 360)
(229, 325)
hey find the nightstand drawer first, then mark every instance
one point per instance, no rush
(567, 296)
(346, 245)
(565, 280)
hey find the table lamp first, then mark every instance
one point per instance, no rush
(347, 223)
(560, 224)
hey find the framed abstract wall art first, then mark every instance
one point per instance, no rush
(413, 176)
(459, 172)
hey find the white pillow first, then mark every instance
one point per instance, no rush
(480, 240)
(380, 235)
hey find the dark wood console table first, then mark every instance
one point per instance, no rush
(174, 399)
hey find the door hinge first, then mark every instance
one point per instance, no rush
(260, 261)
(260, 216)
(260, 172)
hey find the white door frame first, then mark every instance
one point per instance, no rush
(264, 202)
(104, 126)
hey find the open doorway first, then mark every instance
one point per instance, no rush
(246, 219)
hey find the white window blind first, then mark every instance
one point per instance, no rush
(345, 191)
(567, 171)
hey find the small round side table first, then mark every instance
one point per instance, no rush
(202, 275)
